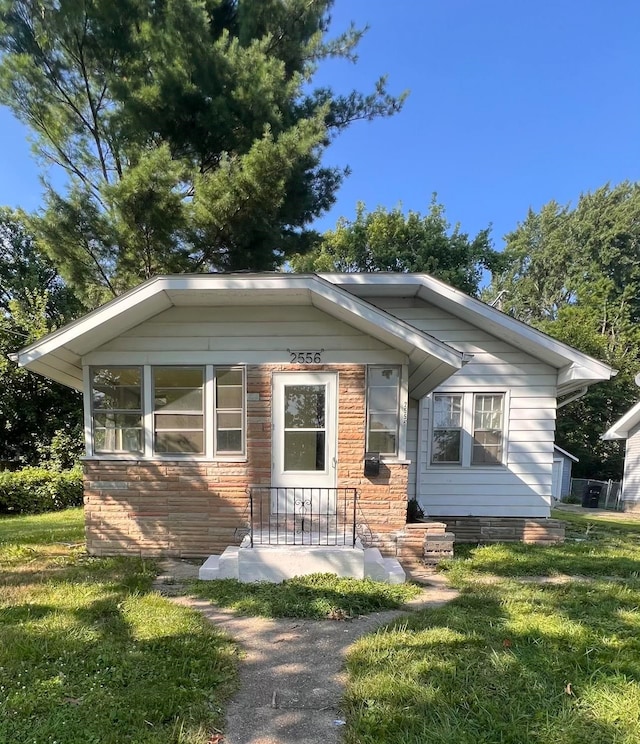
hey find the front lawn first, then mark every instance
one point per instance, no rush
(318, 596)
(90, 655)
(513, 661)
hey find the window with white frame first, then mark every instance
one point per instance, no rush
(189, 410)
(178, 410)
(116, 410)
(229, 410)
(383, 409)
(467, 429)
(488, 415)
(446, 443)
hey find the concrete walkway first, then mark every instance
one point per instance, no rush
(292, 674)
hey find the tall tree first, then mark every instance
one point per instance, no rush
(34, 412)
(189, 130)
(575, 274)
(392, 241)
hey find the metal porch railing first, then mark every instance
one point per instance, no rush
(302, 516)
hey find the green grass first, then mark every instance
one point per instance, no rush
(594, 547)
(64, 526)
(318, 596)
(510, 662)
(89, 654)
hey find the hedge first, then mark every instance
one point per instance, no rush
(34, 490)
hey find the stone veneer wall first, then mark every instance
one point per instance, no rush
(193, 509)
(505, 529)
(424, 544)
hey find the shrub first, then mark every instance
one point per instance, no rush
(34, 490)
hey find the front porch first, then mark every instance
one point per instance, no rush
(297, 531)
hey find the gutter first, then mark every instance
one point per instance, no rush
(578, 394)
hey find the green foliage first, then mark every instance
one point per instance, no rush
(392, 241)
(89, 653)
(189, 131)
(575, 274)
(318, 596)
(36, 490)
(33, 301)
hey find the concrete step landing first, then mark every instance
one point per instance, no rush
(275, 563)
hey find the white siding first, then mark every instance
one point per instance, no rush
(631, 487)
(523, 486)
(412, 445)
(234, 335)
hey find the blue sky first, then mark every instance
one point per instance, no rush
(511, 104)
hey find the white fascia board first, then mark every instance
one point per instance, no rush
(160, 293)
(141, 297)
(565, 453)
(380, 324)
(89, 323)
(622, 427)
(478, 313)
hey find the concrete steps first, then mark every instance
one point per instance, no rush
(275, 563)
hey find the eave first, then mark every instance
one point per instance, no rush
(58, 356)
(625, 424)
(575, 369)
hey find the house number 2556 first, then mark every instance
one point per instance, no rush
(302, 356)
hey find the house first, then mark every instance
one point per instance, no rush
(561, 472)
(315, 405)
(627, 427)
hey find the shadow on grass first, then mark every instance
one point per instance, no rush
(501, 664)
(90, 654)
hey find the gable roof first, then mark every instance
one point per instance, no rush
(58, 355)
(622, 427)
(575, 369)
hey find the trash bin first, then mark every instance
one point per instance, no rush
(591, 496)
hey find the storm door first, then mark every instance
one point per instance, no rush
(304, 441)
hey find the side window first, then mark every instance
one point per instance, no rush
(488, 428)
(229, 414)
(383, 401)
(178, 410)
(446, 442)
(467, 429)
(116, 410)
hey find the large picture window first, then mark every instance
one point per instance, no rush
(167, 411)
(467, 429)
(383, 407)
(116, 409)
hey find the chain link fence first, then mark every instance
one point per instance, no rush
(610, 494)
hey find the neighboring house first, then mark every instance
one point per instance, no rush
(202, 389)
(628, 427)
(561, 475)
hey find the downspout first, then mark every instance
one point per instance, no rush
(578, 394)
(419, 443)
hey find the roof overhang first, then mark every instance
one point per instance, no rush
(575, 369)
(573, 458)
(624, 425)
(58, 355)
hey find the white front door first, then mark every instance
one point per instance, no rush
(304, 439)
